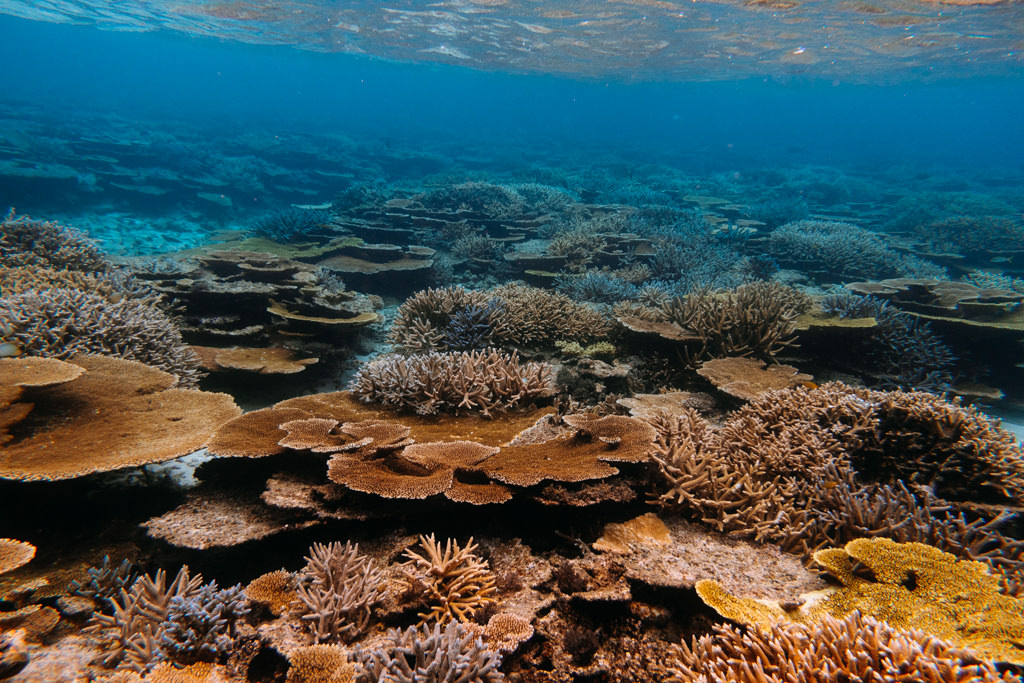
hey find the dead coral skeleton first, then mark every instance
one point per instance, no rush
(338, 588)
(453, 581)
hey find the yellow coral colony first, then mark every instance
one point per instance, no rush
(908, 585)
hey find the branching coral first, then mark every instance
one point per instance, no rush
(139, 612)
(808, 467)
(596, 287)
(430, 655)
(339, 590)
(28, 242)
(293, 224)
(902, 348)
(536, 316)
(453, 581)
(854, 648)
(424, 321)
(185, 621)
(201, 627)
(754, 319)
(106, 581)
(484, 381)
(61, 323)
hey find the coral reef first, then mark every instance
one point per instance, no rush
(484, 381)
(430, 654)
(338, 589)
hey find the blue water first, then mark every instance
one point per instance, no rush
(149, 78)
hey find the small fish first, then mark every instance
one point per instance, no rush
(9, 350)
(809, 385)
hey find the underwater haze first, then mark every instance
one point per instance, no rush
(619, 341)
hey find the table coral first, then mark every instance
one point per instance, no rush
(117, 414)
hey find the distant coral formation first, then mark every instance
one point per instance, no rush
(830, 251)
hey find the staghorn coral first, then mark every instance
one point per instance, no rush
(908, 585)
(902, 348)
(28, 242)
(426, 655)
(535, 316)
(595, 287)
(485, 381)
(338, 588)
(453, 581)
(105, 582)
(853, 648)
(185, 621)
(201, 626)
(755, 319)
(808, 467)
(62, 323)
(138, 614)
(422, 321)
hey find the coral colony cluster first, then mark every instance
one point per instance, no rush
(551, 427)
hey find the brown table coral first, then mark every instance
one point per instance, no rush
(116, 414)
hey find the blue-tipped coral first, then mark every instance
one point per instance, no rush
(903, 349)
(428, 655)
(201, 627)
